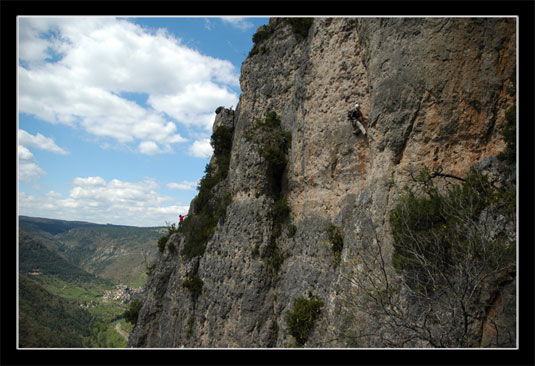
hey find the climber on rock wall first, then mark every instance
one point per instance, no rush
(356, 118)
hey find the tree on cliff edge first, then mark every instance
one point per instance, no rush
(453, 256)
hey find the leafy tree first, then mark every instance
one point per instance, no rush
(132, 313)
(454, 251)
(209, 207)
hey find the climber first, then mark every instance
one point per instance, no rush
(181, 217)
(356, 118)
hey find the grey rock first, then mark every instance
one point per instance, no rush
(428, 88)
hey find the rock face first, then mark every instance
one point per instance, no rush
(435, 94)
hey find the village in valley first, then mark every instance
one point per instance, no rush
(123, 293)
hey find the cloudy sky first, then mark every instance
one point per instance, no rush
(115, 114)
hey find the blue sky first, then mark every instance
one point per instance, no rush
(115, 114)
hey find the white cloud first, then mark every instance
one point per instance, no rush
(39, 141)
(193, 106)
(201, 149)
(149, 148)
(95, 200)
(25, 154)
(96, 59)
(184, 186)
(239, 23)
(28, 169)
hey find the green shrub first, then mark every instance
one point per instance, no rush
(208, 208)
(194, 284)
(221, 140)
(219, 109)
(274, 258)
(132, 313)
(171, 229)
(281, 210)
(273, 144)
(336, 239)
(300, 26)
(301, 319)
(292, 229)
(161, 243)
(433, 230)
(262, 33)
(172, 247)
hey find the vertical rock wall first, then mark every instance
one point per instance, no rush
(434, 91)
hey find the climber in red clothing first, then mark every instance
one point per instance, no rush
(181, 217)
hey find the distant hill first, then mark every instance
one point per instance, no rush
(38, 225)
(66, 268)
(116, 252)
(50, 321)
(37, 257)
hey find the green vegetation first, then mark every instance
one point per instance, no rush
(281, 210)
(273, 144)
(171, 229)
(441, 230)
(454, 255)
(132, 313)
(49, 321)
(209, 208)
(36, 257)
(273, 256)
(117, 253)
(300, 26)
(53, 289)
(219, 109)
(262, 33)
(301, 319)
(36, 225)
(292, 229)
(336, 239)
(194, 284)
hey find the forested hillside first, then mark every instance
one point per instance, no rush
(76, 280)
(50, 321)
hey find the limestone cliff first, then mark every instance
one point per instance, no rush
(435, 93)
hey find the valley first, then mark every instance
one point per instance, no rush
(76, 280)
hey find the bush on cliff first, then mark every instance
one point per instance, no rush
(194, 284)
(300, 26)
(132, 313)
(454, 251)
(441, 229)
(301, 319)
(208, 207)
(336, 239)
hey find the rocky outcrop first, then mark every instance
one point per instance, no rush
(435, 94)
